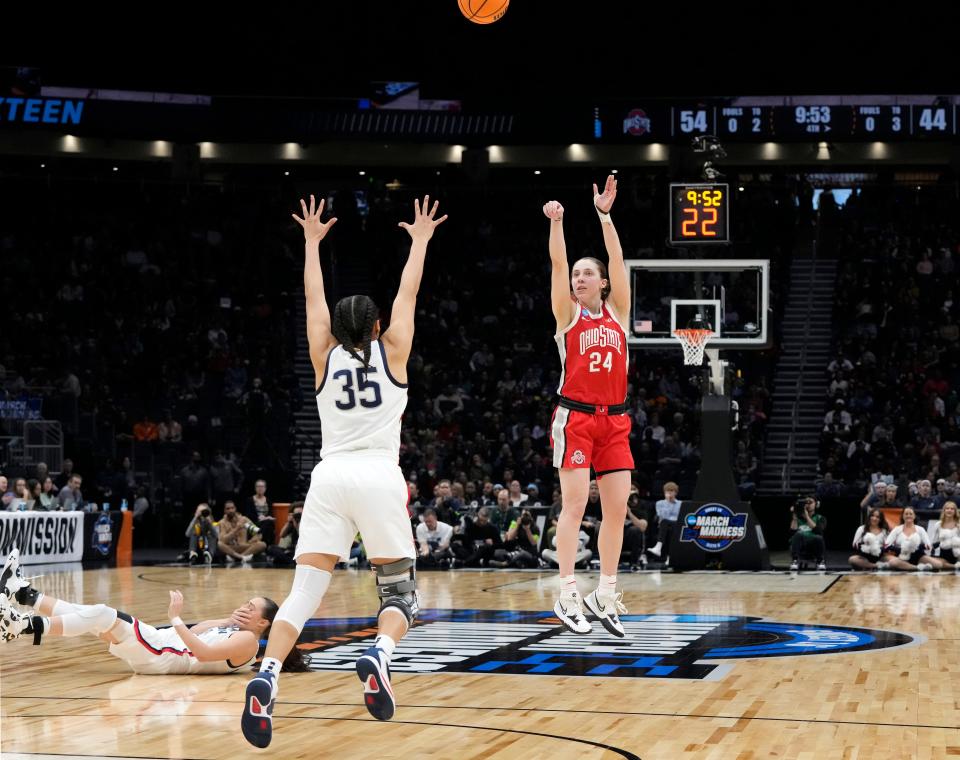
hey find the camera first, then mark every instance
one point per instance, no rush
(526, 518)
(205, 514)
(710, 172)
(708, 144)
(800, 507)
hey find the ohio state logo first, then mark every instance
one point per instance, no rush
(577, 457)
(637, 123)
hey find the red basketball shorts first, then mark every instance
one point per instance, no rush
(581, 440)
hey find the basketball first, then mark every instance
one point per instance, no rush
(483, 11)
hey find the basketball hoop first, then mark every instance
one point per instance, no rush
(693, 340)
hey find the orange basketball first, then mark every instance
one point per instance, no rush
(483, 11)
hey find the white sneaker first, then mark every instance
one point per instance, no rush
(607, 609)
(655, 549)
(924, 567)
(883, 566)
(821, 566)
(570, 613)
(11, 577)
(246, 559)
(230, 560)
(12, 622)
(794, 565)
(956, 568)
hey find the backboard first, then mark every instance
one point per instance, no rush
(731, 295)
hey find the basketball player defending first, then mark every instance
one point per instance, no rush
(591, 425)
(358, 486)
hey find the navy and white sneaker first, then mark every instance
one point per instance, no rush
(257, 719)
(373, 669)
(12, 582)
(569, 611)
(607, 609)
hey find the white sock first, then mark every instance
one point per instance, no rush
(61, 607)
(568, 585)
(386, 644)
(271, 665)
(608, 585)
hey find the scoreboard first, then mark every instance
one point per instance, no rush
(658, 121)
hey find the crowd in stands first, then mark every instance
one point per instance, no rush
(158, 323)
(892, 406)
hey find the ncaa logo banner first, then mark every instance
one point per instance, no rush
(713, 527)
(535, 643)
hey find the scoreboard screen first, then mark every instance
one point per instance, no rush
(660, 121)
(699, 213)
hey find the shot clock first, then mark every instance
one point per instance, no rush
(699, 213)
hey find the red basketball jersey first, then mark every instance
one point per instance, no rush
(593, 354)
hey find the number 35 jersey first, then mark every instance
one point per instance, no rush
(360, 409)
(593, 356)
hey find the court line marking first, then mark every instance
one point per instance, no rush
(506, 709)
(75, 754)
(832, 584)
(626, 754)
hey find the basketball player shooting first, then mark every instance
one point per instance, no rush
(591, 426)
(358, 486)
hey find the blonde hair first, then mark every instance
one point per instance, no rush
(671, 486)
(956, 512)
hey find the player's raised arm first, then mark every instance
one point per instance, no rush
(240, 647)
(560, 270)
(319, 336)
(619, 299)
(398, 339)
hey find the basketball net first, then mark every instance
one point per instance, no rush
(693, 340)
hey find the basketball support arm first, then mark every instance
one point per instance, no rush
(717, 369)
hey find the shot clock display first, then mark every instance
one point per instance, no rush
(699, 213)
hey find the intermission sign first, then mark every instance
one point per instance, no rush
(42, 536)
(535, 643)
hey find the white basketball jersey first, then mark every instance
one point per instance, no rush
(161, 651)
(360, 410)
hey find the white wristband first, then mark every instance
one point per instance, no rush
(604, 218)
(176, 621)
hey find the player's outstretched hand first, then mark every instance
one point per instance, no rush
(604, 201)
(424, 222)
(176, 604)
(313, 228)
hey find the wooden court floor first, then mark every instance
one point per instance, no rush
(837, 666)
